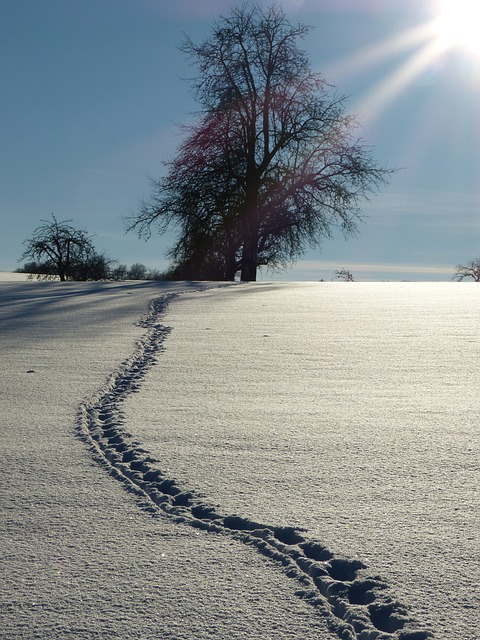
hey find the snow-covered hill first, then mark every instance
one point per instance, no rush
(302, 461)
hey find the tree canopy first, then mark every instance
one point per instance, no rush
(273, 164)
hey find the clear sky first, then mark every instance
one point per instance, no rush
(92, 92)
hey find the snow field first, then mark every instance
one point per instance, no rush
(339, 408)
(272, 409)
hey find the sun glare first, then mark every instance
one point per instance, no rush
(458, 24)
(455, 24)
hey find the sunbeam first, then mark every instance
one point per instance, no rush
(381, 51)
(454, 26)
(384, 92)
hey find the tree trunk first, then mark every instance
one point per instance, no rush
(250, 225)
(249, 256)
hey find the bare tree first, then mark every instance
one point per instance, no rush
(469, 270)
(90, 265)
(65, 251)
(344, 274)
(119, 272)
(273, 165)
(137, 271)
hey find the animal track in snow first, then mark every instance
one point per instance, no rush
(356, 606)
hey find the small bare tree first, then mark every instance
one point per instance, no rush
(65, 251)
(343, 274)
(137, 271)
(469, 270)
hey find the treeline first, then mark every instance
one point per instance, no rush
(100, 269)
(59, 251)
(272, 166)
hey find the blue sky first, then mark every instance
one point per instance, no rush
(93, 91)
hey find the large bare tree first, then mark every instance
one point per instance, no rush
(273, 165)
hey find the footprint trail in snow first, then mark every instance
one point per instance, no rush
(355, 605)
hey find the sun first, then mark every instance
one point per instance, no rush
(458, 24)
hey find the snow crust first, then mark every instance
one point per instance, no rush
(274, 409)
